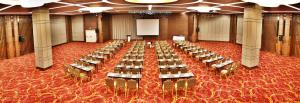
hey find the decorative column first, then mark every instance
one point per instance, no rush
(9, 37)
(252, 31)
(195, 27)
(16, 34)
(100, 30)
(42, 38)
(286, 43)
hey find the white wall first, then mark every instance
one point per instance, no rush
(214, 28)
(77, 28)
(58, 30)
(239, 30)
(123, 25)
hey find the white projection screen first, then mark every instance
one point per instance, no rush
(147, 27)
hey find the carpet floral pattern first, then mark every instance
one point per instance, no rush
(276, 79)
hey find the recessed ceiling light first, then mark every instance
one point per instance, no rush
(149, 7)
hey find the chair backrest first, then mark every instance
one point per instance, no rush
(180, 84)
(168, 85)
(110, 82)
(68, 68)
(162, 62)
(234, 67)
(132, 84)
(164, 71)
(137, 63)
(128, 62)
(120, 83)
(171, 62)
(76, 72)
(135, 71)
(174, 71)
(191, 82)
(183, 70)
(178, 62)
(117, 70)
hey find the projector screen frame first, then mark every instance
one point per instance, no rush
(156, 31)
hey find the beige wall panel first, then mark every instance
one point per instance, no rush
(214, 28)
(58, 30)
(77, 28)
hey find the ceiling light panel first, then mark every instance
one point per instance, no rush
(27, 3)
(151, 1)
(203, 9)
(274, 3)
(95, 9)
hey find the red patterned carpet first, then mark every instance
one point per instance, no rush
(277, 79)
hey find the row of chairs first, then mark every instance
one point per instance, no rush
(75, 73)
(109, 50)
(177, 85)
(201, 54)
(131, 63)
(168, 60)
(170, 63)
(79, 71)
(122, 84)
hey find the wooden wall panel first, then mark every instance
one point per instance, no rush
(90, 21)
(233, 28)
(190, 26)
(3, 54)
(69, 28)
(106, 27)
(25, 29)
(295, 36)
(163, 28)
(178, 25)
(269, 33)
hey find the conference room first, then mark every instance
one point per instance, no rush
(149, 51)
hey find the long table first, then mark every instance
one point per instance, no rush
(121, 75)
(176, 76)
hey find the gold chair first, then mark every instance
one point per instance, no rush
(180, 85)
(120, 84)
(111, 84)
(164, 71)
(83, 77)
(230, 70)
(67, 70)
(117, 70)
(174, 71)
(183, 70)
(135, 71)
(190, 84)
(167, 86)
(132, 85)
(76, 74)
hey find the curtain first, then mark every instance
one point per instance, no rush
(123, 25)
(2, 39)
(295, 36)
